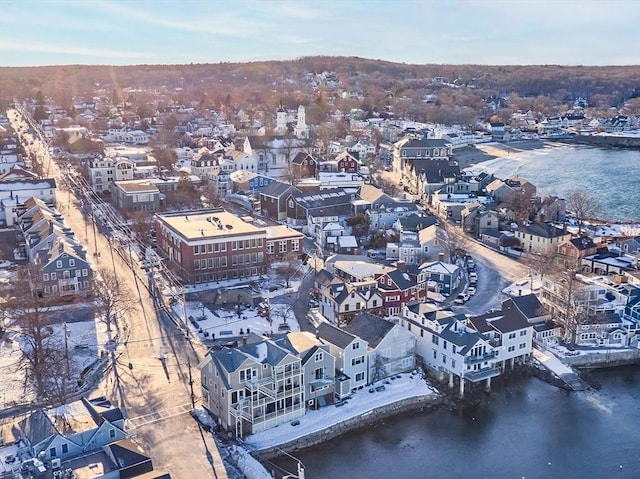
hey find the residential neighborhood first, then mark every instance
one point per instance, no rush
(240, 270)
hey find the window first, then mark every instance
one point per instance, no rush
(444, 359)
(65, 448)
(53, 277)
(434, 339)
(360, 377)
(358, 360)
(52, 452)
(435, 355)
(85, 273)
(355, 346)
(283, 246)
(523, 332)
(72, 262)
(294, 245)
(58, 264)
(346, 308)
(375, 303)
(234, 245)
(453, 363)
(45, 277)
(223, 262)
(522, 345)
(319, 356)
(511, 349)
(112, 433)
(512, 335)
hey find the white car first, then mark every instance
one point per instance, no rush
(471, 290)
(461, 298)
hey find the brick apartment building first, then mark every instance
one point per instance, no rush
(215, 245)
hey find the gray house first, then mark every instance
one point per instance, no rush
(252, 388)
(391, 348)
(72, 429)
(135, 195)
(318, 365)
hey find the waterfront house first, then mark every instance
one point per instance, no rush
(541, 238)
(254, 387)
(350, 352)
(400, 287)
(449, 347)
(391, 348)
(578, 248)
(508, 331)
(591, 301)
(318, 366)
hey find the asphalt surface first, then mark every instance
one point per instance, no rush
(149, 374)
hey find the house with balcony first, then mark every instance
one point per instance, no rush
(593, 306)
(104, 171)
(252, 388)
(508, 331)
(390, 348)
(350, 352)
(318, 366)
(449, 347)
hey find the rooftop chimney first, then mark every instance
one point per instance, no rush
(441, 257)
(401, 265)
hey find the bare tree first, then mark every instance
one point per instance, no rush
(378, 367)
(452, 240)
(44, 357)
(521, 206)
(112, 297)
(288, 267)
(582, 205)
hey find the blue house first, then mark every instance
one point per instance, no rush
(446, 276)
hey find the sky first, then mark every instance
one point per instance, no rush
(567, 32)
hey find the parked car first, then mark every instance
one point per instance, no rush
(473, 276)
(471, 290)
(461, 298)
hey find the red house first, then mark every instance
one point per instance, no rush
(399, 288)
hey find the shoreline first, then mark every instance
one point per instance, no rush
(430, 401)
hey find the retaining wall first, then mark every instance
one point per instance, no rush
(603, 359)
(347, 425)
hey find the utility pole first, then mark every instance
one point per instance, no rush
(193, 397)
(66, 346)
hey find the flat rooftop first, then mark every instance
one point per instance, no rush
(213, 223)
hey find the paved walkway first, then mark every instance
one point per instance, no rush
(564, 372)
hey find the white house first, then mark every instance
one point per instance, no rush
(351, 357)
(448, 346)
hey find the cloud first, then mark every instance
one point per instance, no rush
(39, 47)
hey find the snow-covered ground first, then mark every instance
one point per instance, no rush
(85, 340)
(524, 286)
(360, 403)
(227, 323)
(552, 363)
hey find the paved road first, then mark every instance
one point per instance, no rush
(157, 383)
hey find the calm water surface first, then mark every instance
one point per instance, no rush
(526, 429)
(612, 176)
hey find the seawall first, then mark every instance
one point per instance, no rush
(361, 420)
(603, 359)
(602, 141)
